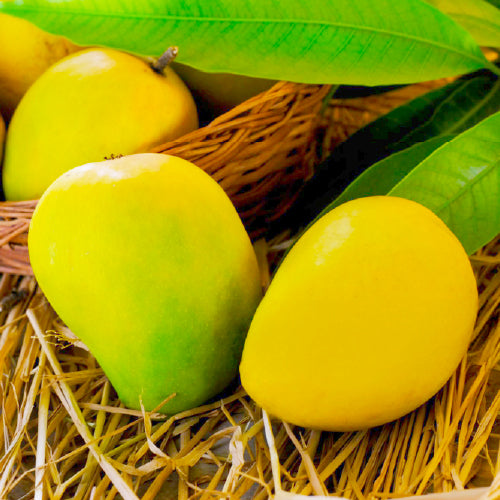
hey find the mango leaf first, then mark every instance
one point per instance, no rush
(451, 109)
(478, 17)
(366, 42)
(380, 178)
(460, 182)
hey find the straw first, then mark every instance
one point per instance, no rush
(65, 434)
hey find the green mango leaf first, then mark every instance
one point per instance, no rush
(449, 110)
(366, 42)
(380, 178)
(478, 17)
(460, 182)
(458, 178)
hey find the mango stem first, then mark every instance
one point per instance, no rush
(165, 59)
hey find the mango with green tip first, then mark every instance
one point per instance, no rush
(146, 260)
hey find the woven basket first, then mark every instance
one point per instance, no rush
(64, 433)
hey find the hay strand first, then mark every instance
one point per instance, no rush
(68, 400)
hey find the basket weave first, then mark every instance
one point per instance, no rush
(65, 434)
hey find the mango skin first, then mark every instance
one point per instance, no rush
(367, 317)
(220, 92)
(147, 261)
(89, 106)
(27, 51)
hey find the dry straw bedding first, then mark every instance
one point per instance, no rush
(64, 433)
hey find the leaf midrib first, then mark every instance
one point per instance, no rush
(403, 36)
(450, 98)
(474, 109)
(462, 191)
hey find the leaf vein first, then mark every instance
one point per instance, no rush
(346, 26)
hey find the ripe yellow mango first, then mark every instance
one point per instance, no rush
(27, 51)
(366, 318)
(92, 105)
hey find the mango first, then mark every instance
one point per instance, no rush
(146, 260)
(92, 105)
(367, 317)
(219, 92)
(27, 51)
